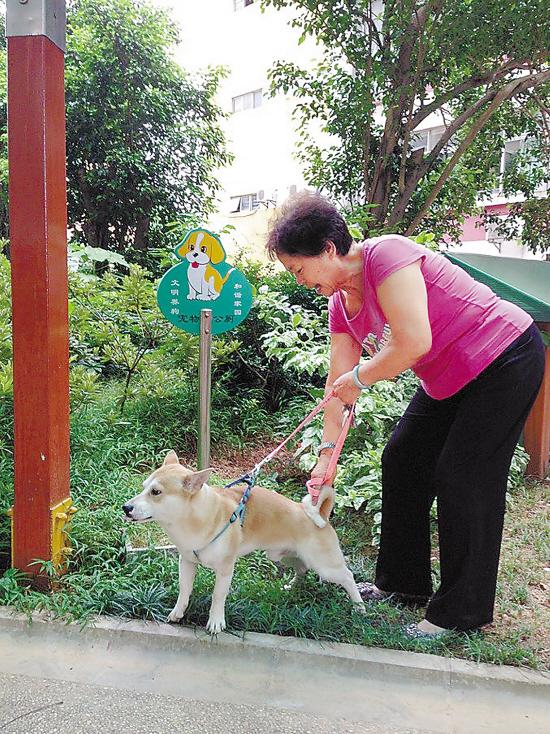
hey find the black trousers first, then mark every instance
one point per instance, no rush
(458, 450)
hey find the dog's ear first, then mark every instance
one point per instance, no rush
(171, 458)
(195, 481)
(183, 249)
(217, 253)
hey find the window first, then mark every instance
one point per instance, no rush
(419, 140)
(508, 160)
(511, 149)
(247, 101)
(244, 203)
(240, 4)
(427, 139)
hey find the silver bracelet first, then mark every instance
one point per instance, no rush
(355, 373)
(325, 445)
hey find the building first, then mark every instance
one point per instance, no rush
(236, 34)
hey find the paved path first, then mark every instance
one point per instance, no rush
(127, 676)
(37, 706)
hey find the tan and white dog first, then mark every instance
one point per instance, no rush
(192, 513)
(202, 250)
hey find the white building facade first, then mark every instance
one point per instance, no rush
(261, 135)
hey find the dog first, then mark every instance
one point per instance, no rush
(192, 513)
(202, 250)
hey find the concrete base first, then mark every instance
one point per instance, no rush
(400, 689)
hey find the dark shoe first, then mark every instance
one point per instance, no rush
(369, 592)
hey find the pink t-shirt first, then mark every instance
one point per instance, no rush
(470, 325)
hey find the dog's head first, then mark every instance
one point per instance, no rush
(166, 492)
(200, 247)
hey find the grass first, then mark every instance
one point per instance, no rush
(523, 590)
(112, 455)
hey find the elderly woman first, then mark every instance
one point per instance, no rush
(480, 361)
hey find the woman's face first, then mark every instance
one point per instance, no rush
(319, 272)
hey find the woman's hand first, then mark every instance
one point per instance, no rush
(320, 470)
(345, 389)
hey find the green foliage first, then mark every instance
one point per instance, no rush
(6, 364)
(528, 221)
(143, 136)
(4, 221)
(385, 68)
(116, 317)
(298, 337)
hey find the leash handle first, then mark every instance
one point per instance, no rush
(314, 485)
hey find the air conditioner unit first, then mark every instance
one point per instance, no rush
(261, 195)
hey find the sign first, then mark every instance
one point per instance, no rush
(203, 279)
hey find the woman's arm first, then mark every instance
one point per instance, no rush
(403, 299)
(344, 355)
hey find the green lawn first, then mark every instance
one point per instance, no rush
(111, 457)
(109, 580)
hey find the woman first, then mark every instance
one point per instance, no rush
(480, 361)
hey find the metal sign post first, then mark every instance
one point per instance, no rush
(204, 278)
(205, 362)
(35, 30)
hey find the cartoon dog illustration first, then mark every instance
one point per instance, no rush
(202, 250)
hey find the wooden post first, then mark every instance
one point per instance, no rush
(536, 435)
(38, 251)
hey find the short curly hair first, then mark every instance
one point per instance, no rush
(307, 221)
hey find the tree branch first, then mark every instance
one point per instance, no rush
(401, 84)
(511, 89)
(472, 83)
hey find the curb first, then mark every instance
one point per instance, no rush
(336, 680)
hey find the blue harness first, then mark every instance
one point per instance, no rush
(239, 511)
(250, 478)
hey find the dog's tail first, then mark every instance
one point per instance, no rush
(226, 276)
(319, 513)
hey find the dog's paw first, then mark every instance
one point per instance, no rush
(215, 625)
(176, 615)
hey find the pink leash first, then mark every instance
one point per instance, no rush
(313, 485)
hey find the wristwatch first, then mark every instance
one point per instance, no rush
(325, 445)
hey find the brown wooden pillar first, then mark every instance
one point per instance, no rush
(38, 248)
(536, 435)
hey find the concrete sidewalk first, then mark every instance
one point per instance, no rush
(347, 685)
(34, 706)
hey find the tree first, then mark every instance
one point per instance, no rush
(143, 136)
(480, 66)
